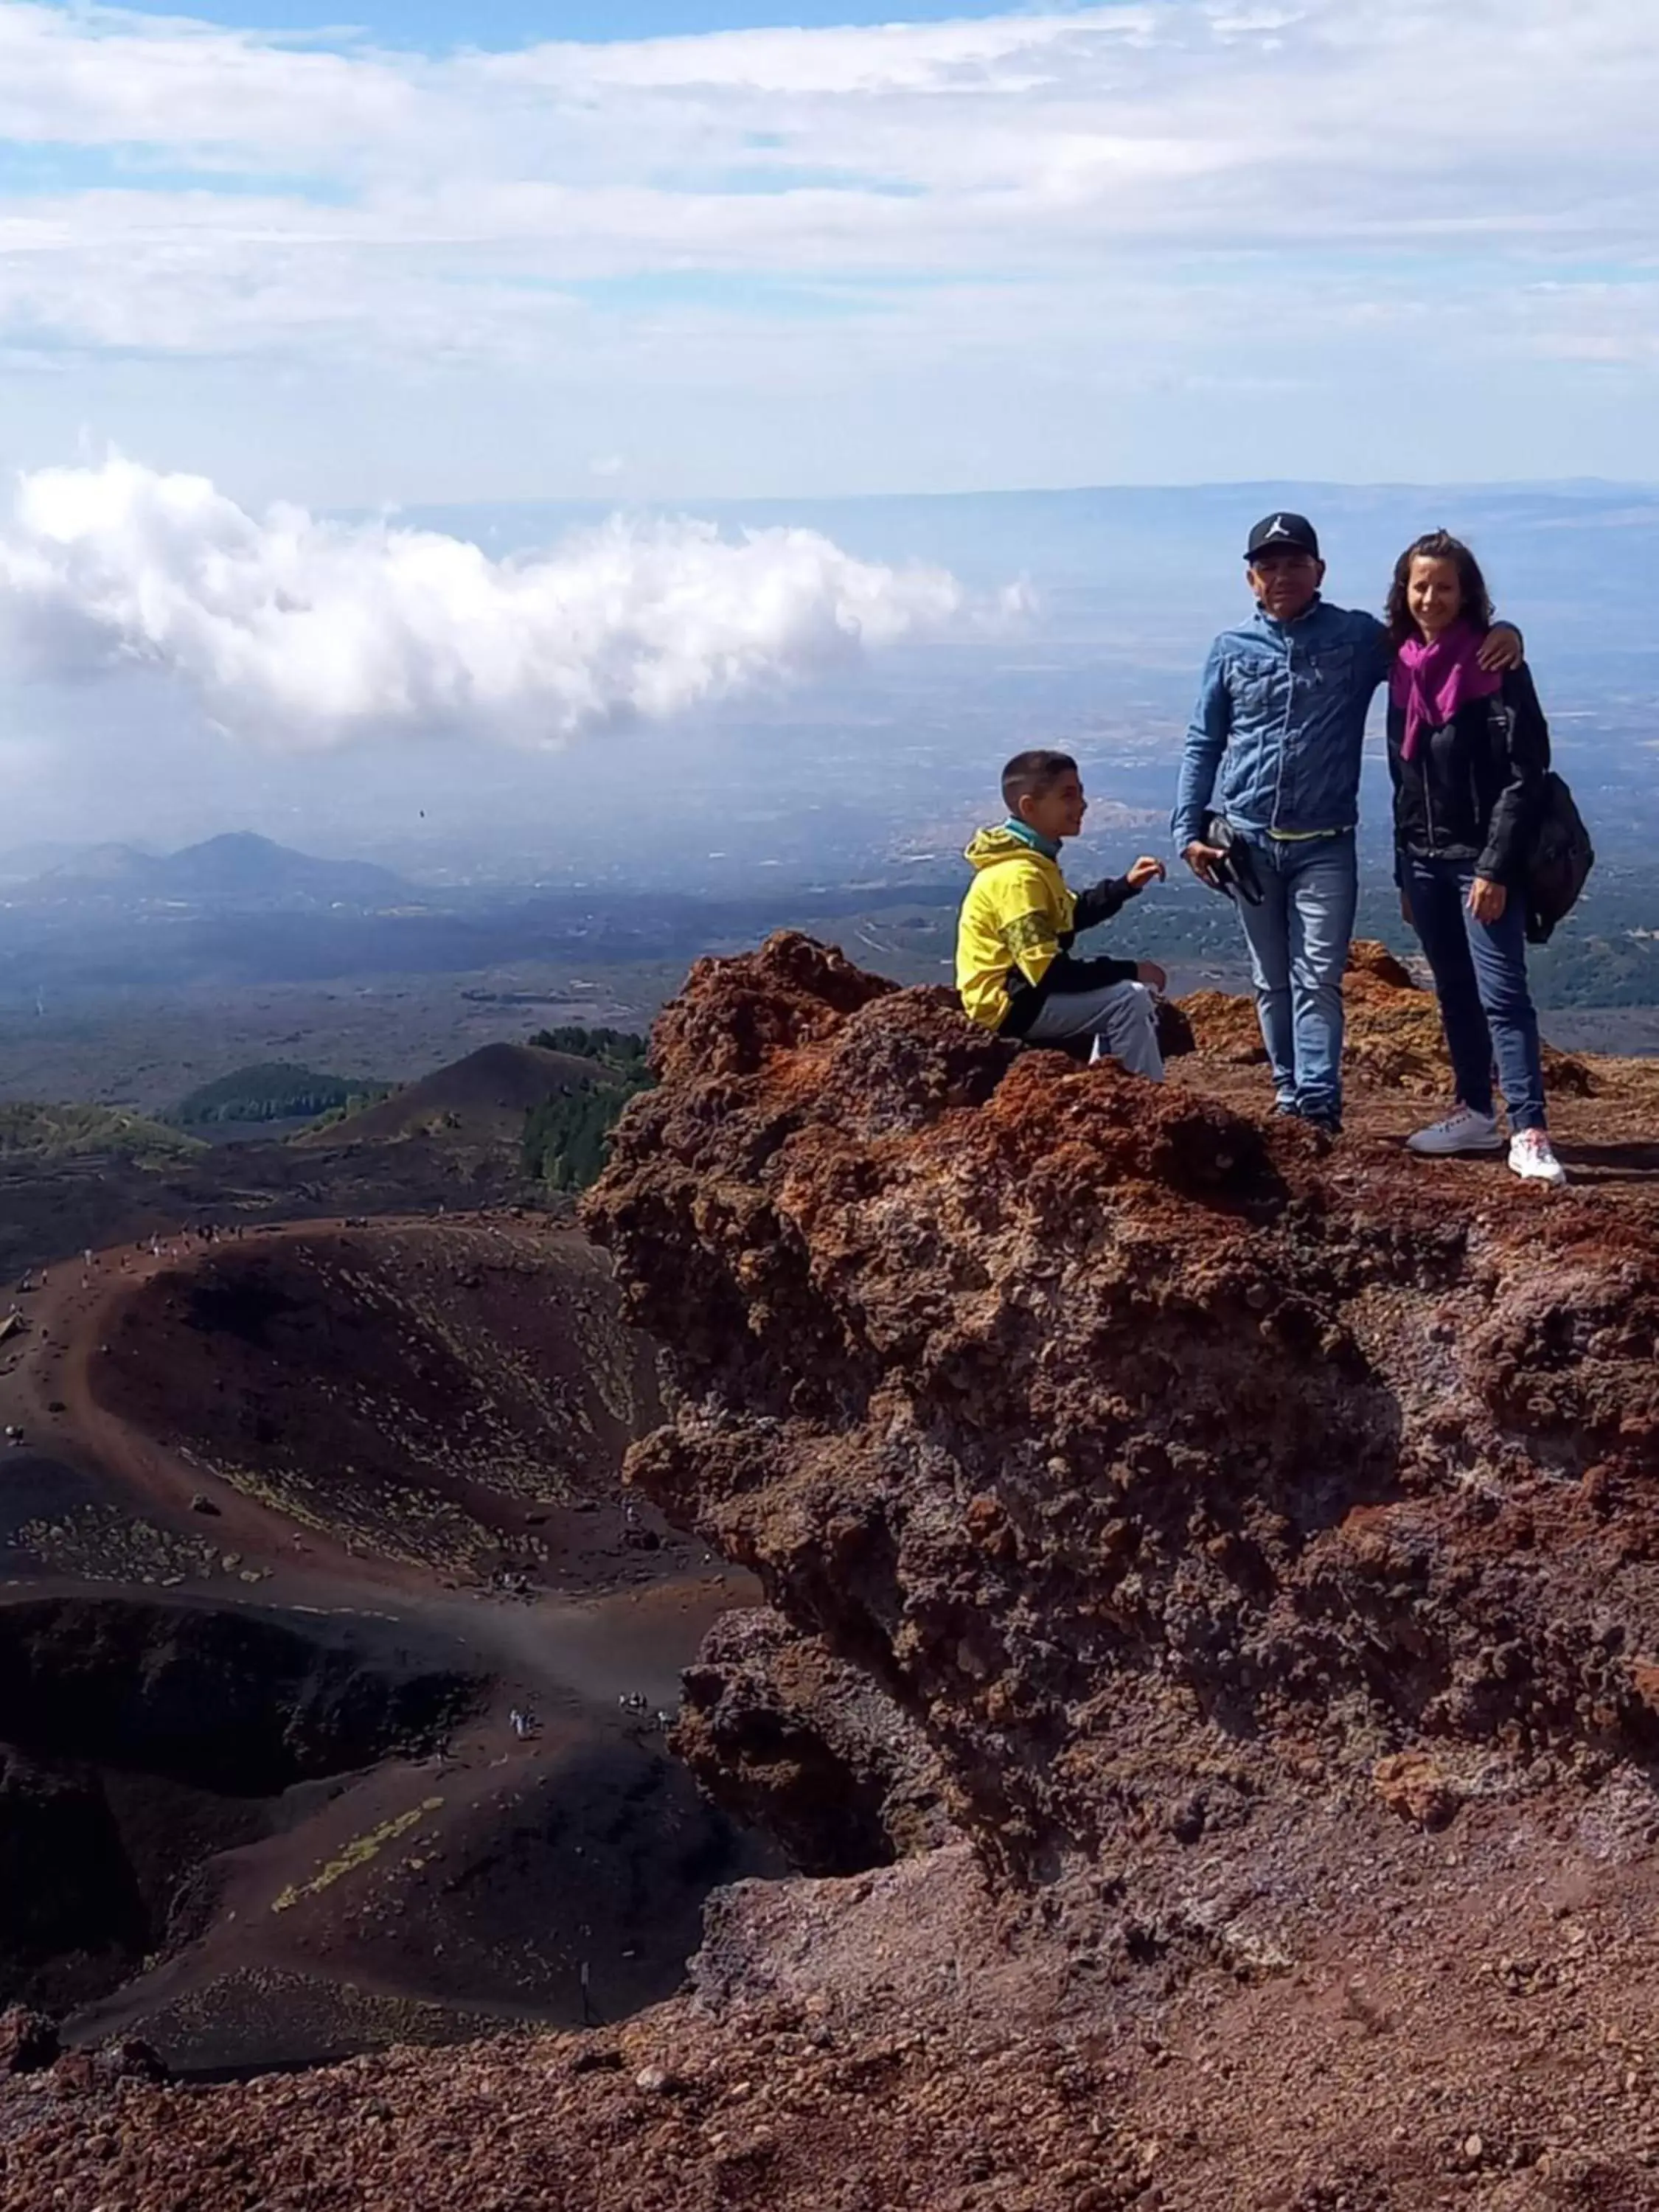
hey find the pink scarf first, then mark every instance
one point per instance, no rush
(1432, 679)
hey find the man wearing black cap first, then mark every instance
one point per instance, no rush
(1280, 726)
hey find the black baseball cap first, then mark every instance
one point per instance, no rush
(1293, 532)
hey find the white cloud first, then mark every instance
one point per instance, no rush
(104, 77)
(1614, 325)
(1006, 56)
(304, 632)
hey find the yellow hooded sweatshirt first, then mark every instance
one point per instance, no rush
(1017, 908)
(1021, 914)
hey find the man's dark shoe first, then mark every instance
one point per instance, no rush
(1328, 1124)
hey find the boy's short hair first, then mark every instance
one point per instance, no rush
(1029, 772)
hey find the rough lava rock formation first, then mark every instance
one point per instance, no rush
(792, 1740)
(1144, 1454)
(1212, 1676)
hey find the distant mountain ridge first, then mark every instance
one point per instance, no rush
(239, 869)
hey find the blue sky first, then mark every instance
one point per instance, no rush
(750, 249)
(503, 24)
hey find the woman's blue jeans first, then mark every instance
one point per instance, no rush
(1479, 972)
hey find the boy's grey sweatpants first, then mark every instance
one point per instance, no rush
(1120, 1018)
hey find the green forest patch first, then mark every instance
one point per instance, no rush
(61, 1132)
(568, 1137)
(275, 1091)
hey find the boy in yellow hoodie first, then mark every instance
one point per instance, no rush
(1015, 970)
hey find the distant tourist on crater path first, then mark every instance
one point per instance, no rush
(1272, 760)
(1015, 971)
(1468, 750)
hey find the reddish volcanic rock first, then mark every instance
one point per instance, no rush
(1369, 958)
(1394, 1043)
(788, 1738)
(1111, 1430)
(725, 1023)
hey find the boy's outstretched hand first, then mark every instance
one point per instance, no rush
(1146, 871)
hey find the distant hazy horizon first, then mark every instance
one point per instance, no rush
(1124, 586)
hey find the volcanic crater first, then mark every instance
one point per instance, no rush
(334, 1669)
(139, 1739)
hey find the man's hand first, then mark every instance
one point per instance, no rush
(1202, 859)
(1405, 904)
(1146, 871)
(1149, 973)
(1487, 900)
(1503, 647)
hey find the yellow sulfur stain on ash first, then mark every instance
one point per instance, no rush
(357, 1853)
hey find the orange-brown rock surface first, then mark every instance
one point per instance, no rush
(1393, 1044)
(1143, 1451)
(1253, 1543)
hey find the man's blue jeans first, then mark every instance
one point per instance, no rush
(1298, 939)
(1479, 971)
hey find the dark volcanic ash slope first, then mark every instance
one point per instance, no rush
(219, 1827)
(139, 1738)
(450, 1393)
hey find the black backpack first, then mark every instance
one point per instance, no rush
(1561, 855)
(1561, 859)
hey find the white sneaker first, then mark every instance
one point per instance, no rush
(1532, 1155)
(1463, 1130)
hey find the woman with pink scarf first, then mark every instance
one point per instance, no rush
(1467, 750)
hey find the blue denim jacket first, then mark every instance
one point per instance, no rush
(1281, 715)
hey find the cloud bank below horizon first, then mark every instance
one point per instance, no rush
(302, 633)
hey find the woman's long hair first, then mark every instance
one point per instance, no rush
(1437, 545)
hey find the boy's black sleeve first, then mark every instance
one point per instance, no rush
(1066, 974)
(1102, 900)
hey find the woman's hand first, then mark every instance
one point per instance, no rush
(1502, 647)
(1487, 900)
(1146, 871)
(1149, 973)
